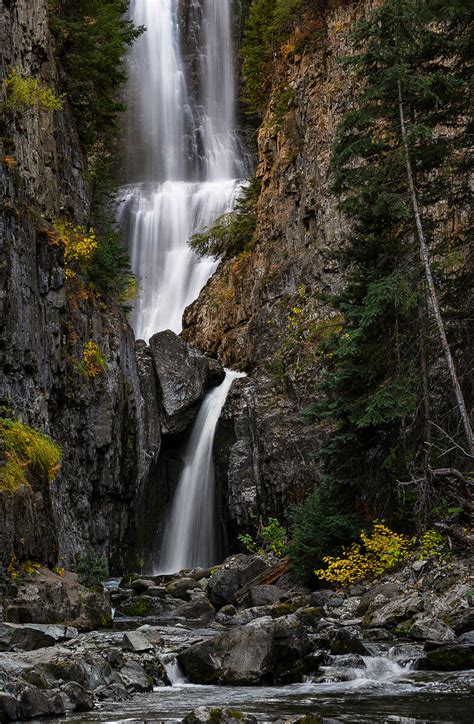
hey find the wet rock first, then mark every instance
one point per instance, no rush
(262, 651)
(467, 638)
(431, 629)
(141, 606)
(8, 706)
(137, 642)
(457, 657)
(28, 637)
(378, 634)
(265, 595)
(347, 641)
(135, 678)
(151, 633)
(181, 587)
(79, 698)
(198, 609)
(141, 585)
(113, 692)
(235, 573)
(464, 621)
(214, 715)
(184, 374)
(48, 598)
(310, 615)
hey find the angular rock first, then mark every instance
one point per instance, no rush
(151, 633)
(184, 374)
(265, 595)
(135, 678)
(379, 595)
(263, 651)
(180, 587)
(326, 597)
(347, 641)
(28, 637)
(137, 642)
(457, 657)
(141, 585)
(235, 573)
(215, 715)
(396, 611)
(431, 629)
(198, 609)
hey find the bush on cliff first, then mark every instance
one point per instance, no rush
(231, 233)
(26, 454)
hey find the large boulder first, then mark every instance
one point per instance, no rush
(265, 595)
(31, 636)
(48, 598)
(263, 651)
(433, 630)
(184, 374)
(235, 573)
(455, 657)
(214, 715)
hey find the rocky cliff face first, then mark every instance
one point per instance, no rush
(108, 424)
(265, 310)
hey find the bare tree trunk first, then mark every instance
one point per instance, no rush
(431, 287)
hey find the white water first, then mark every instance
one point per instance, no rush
(184, 157)
(190, 535)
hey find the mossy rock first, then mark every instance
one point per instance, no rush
(138, 606)
(282, 609)
(126, 580)
(449, 658)
(310, 615)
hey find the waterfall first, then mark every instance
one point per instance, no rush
(183, 159)
(190, 535)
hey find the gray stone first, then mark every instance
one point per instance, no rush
(431, 629)
(204, 715)
(418, 566)
(180, 587)
(184, 374)
(141, 585)
(8, 706)
(235, 573)
(262, 651)
(394, 612)
(378, 595)
(198, 609)
(135, 678)
(265, 595)
(151, 633)
(137, 642)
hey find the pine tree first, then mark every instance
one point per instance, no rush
(376, 380)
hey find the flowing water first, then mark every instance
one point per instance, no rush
(190, 535)
(183, 154)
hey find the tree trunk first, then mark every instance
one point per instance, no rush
(431, 287)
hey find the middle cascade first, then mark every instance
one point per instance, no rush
(184, 157)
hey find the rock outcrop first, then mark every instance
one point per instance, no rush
(264, 311)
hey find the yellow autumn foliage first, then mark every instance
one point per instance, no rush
(380, 550)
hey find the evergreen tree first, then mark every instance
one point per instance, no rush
(376, 380)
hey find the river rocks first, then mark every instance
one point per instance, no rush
(181, 587)
(235, 573)
(184, 374)
(260, 652)
(396, 611)
(28, 637)
(46, 597)
(209, 715)
(199, 609)
(456, 657)
(136, 641)
(265, 595)
(433, 630)
(347, 641)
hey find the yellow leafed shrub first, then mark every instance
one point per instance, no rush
(79, 245)
(26, 92)
(93, 360)
(27, 452)
(381, 550)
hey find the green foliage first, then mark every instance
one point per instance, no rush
(92, 39)
(268, 24)
(92, 571)
(271, 539)
(320, 527)
(372, 392)
(25, 93)
(231, 233)
(27, 454)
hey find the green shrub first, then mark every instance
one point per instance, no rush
(271, 539)
(92, 571)
(231, 233)
(26, 92)
(27, 454)
(319, 529)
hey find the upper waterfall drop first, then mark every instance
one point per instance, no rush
(184, 159)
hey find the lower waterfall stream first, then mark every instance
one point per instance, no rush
(190, 535)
